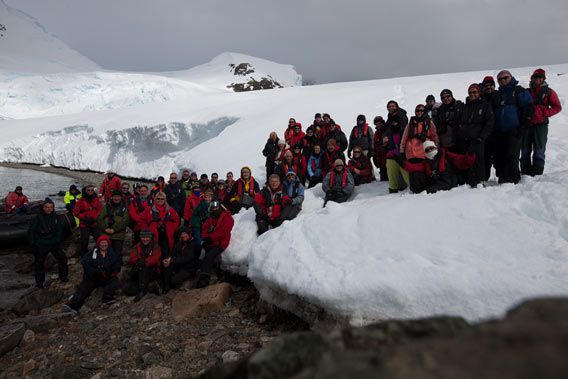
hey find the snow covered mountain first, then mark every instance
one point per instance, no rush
(25, 47)
(465, 252)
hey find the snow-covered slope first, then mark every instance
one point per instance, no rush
(228, 70)
(25, 46)
(465, 252)
(41, 95)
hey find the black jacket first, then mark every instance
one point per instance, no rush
(339, 137)
(175, 196)
(95, 266)
(477, 121)
(270, 150)
(45, 230)
(447, 119)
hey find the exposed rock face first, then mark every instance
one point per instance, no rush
(37, 300)
(243, 69)
(191, 303)
(530, 343)
(2, 30)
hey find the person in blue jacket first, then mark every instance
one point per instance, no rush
(513, 115)
(314, 166)
(295, 192)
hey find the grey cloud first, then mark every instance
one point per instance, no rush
(327, 40)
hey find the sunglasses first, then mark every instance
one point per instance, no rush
(421, 110)
(356, 152)
(472, 92)
(489, 85)
(503, 78)
(160, 199)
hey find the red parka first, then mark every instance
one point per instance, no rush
(165, 215)
(190, 205)
(546, 104)
(109, 185)
(152, 260)
(136, 210)
(269, 203)
(87, 211)
(13, 201)
(218, 230)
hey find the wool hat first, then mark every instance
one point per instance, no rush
(203, 176)
(488, 80)
(18, 188)
(318, 115)
(297, 146)
(291, 172)
(430, 97)
(446, 92)
(72, 187)
(361, 117)
(281, 142)
(539, 72)
(338, 162)
(503, 73)
(378, 119)
(185, 229)
(146, 233)
(428, 144)
(221, 182)
(103, 237)
(473, 86)
(47, 200)
(116, 192)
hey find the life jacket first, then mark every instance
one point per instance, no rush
(365, 131)
(138, 201)
(156, 214)
(343, 178)
(418, 129)
(240, 187)
(542, 97)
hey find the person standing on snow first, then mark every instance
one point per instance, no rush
(394, 129)
(379, 156)
(490, 148)
(361, 136)
(513, 118)
(447, 119)
(269, 151)
(546, 104)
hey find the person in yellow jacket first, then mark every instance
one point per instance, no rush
(243, 191)
(70, 199)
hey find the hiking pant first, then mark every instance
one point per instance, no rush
(263, 224)
(395, 172)
(508, 149)
(86, 232)
(336, 197)
(40, 254)
(174, 277)
(476, 173)
(534, 143)
(139, 280)
(88, 285)
(383, 176)
(210, 260)
(290, 212)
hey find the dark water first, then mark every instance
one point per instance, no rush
(36, 184)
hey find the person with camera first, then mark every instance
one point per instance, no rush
(113, 220)
(163, 222)
(145, 262)
(100, 269)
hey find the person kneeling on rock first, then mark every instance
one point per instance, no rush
(100, 269)
(145, 260)
(183, 262)
(216, 234)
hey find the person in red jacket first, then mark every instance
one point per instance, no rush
(297, 136)
(136, 209)
(191, 203)
(268, 205)
(360, 167)
(163, 222)
(216, 235)
(87, 210)
(110, 183)
(300, 161)
(145, 260)
(289, 130)
(379, 156)
(16, 201)
(546, 104)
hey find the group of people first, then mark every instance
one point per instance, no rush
(174, 223)
(441, 146)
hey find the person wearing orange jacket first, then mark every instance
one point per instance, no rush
(87, 210)
(16, 201)
(546, 105)
(163, 222)
(110, 183)
(145, 261)
(243, 191)
(216, 236)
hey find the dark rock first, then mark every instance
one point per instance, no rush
(10, 337)
(71, 372)
(37, 300)
(242, 69)
(44, 323)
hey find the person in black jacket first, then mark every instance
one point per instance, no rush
(334, 132)
(362, 136)
(100, 269)
(175, 195)
(45, 234)
(182, 264)
(433, 174)
(269, 151)
(492, 97)
(474, 128)
(447, 119)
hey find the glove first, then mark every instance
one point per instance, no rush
(286, 202)
(139, 265)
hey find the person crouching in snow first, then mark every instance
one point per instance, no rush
(434, 173)
(181, 265)
(268, 204)
(145, 263)
(294, 190)
(100, 269)
(338, 184)
(216, 234)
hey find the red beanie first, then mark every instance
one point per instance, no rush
(488, 79)
(539, 72)
(473, 86)
(104, 237)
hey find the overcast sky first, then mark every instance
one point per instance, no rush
(326, 40)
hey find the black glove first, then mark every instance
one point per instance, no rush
(139, 265)
(287, 201)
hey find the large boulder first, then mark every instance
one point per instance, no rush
(190, 303)
(10, 337)
(531, 342)
(37, 300)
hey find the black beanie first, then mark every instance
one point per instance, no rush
(318, 115)
(430, 97)
(47, 200)
(446, 92)
(361, 117)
